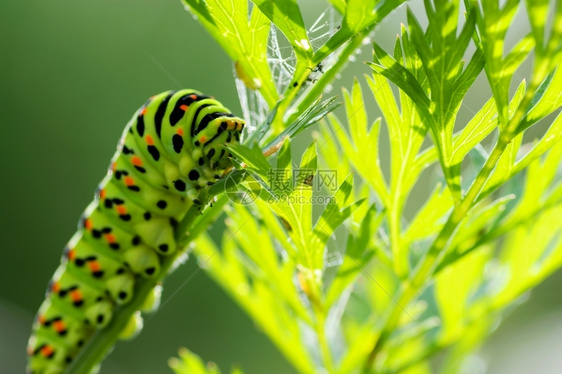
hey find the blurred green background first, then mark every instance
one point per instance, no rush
(71, 75)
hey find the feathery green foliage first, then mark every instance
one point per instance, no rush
(322, 254)
(395, 296)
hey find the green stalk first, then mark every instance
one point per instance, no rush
(319, 324)
(320, 328)
(395, 208)
(329, 76)
(302, 71)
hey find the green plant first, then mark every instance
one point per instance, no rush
(355, 285)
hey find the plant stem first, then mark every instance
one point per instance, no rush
(329, 76)
(320, 328)
(302, 71)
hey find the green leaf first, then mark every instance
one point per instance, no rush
(465, 80)
(253, 158)
(406, 135)
(231, 181)
(309, 117)
(284, 156)
(405, 80)
(309, 160)
(357, 254)
(422, 367)
(531, 253)
(261, 189)
(339, 5)
(478, 128)
(295, 209)
(518, 54)
(473, 336)
(539, 193)
(245, 40)
(550, 139)
(474, 228)
(286, 15)
(335, 213)
(429, 219)
(189, 362)
(359, 15)
(284, 172)
(506, 166)
(452, 293)
(460, 44)
(422, 49)
(493, 24)
(261, 129)
(548, 99)
(358, 121)
(538, 16)
(302, 194)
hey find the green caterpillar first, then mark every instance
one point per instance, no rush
(171, 148)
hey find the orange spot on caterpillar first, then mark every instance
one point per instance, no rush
(113, 166)
(129, 181)
(110, 238)
(55, 287)
(88, 224)
(41, 318)
(59, 326)
(143, 111)
(136, 160)
(194, 97)
(203, 139)
(102, 194)
(71, 255)
(47, 351)
(149, 140)
(184, 107)
(232, 125)
(180, 131)
(120, 209)
(94, 266)
(75, 295)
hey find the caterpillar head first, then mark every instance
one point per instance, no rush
(222, 130)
